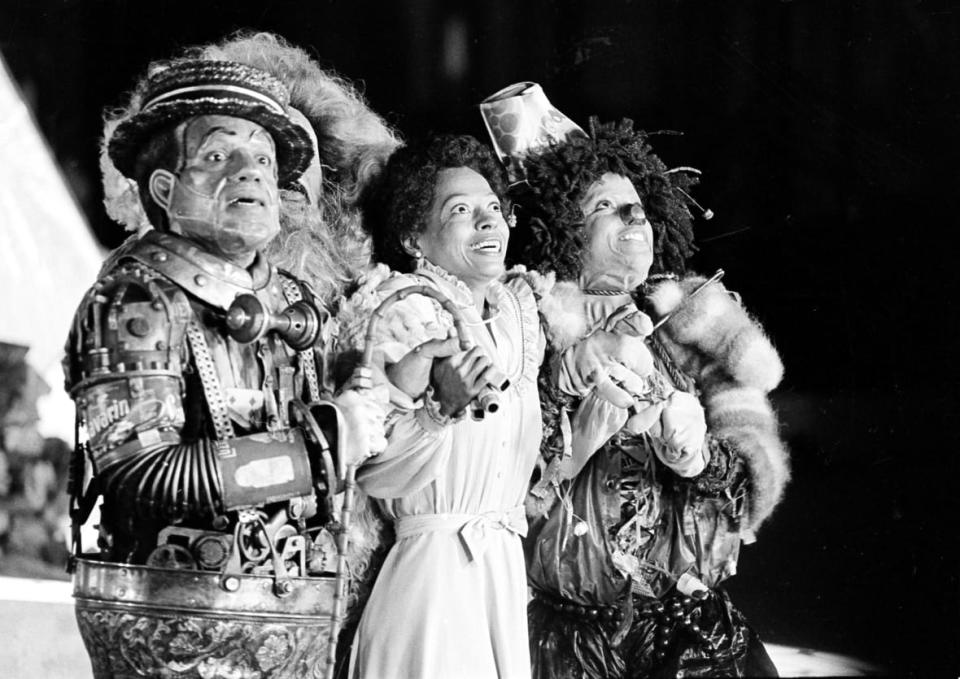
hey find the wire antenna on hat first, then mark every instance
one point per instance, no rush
(706, 212)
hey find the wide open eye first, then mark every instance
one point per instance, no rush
(216, 157)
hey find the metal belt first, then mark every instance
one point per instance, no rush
(222, 426)
(292, 293)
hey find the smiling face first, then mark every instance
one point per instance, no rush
(225, 194)
(466, 233)
(618, 239)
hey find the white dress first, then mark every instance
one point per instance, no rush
(450, 600)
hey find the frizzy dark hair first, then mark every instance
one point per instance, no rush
(559, 175)
(397, 205)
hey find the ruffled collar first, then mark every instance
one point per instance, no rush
(463, 296)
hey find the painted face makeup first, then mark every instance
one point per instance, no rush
(618, 239)
(225, 194)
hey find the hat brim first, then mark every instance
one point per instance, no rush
(294, 148)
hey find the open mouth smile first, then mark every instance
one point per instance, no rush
(633, 235)
(489, 246)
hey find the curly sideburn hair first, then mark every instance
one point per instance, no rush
(559, 175)
(397, 206)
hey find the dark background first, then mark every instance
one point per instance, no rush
(827, 132)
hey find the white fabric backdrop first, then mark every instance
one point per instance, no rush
(48, 256)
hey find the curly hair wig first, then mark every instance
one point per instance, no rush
(397, 206)
(559, 175)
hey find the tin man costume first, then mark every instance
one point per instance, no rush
(203, 421)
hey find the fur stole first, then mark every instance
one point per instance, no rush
(713, 340)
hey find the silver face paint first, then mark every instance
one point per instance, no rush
(225, 195)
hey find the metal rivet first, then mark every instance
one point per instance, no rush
(231, 584)
(159, 256)
(200, 280)
(138, 327)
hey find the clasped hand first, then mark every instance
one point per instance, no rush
(614, 365)
(680, 433)
(457, 376)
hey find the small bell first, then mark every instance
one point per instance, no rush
(580, 529)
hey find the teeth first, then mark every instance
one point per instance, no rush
(632, 236)
(492, 244)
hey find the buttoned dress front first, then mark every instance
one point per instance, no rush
(450, 599)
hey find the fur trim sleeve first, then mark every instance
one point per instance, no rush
(713, 339)
(744, 419)
(711, 336)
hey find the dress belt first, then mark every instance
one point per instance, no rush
(474, 530)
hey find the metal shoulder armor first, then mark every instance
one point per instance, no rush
(125, 355)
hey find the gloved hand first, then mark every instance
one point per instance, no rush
(364, 409)
(644, 416)
(628, 320)
(683, 430)
(614, 365)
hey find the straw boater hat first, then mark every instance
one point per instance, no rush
(198, 87)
